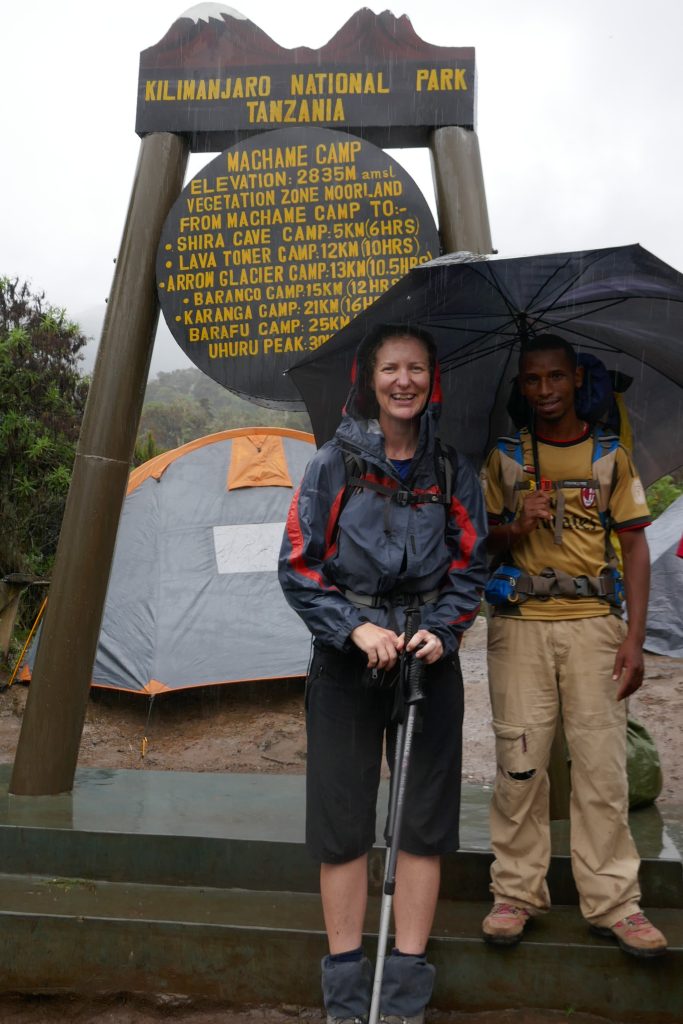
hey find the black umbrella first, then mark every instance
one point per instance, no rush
(622, 304)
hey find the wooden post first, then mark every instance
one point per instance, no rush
(460, 194)
(47, 752)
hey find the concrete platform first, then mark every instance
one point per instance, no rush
(199, 884)
(256, 807)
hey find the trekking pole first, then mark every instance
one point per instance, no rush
(410, 680)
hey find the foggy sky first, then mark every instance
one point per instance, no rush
(580, 123)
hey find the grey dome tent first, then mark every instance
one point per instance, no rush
(664, 631)
(193, 596)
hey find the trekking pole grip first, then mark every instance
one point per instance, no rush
(415, 674)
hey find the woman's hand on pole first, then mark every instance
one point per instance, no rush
(381, 645)
(425, 645)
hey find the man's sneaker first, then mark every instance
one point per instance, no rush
(346, 1020)
(636, 935)
(504, 925)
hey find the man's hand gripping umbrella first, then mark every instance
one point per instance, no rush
(410, 682)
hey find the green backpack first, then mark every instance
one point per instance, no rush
(643, 766)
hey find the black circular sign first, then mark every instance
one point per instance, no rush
(276, 244)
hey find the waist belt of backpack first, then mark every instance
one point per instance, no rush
(392, 598)
(555, 583)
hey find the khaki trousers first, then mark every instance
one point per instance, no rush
(538, 670)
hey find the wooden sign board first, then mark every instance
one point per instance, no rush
(276, 244)
(218, 78)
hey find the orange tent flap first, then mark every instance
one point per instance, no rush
(258, 461)
(157, 466)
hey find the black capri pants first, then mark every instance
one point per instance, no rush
(346, 722)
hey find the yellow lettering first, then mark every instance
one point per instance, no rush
(440, 79)
(292, 111)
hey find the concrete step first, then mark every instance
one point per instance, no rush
(257, 864)
(200, 884)
(84, 935)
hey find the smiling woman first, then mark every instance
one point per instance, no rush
(361, 554)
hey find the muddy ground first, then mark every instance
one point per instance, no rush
(130, 1010)
(127, 1010)
(260, 728)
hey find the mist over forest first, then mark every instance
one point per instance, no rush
(182, 405)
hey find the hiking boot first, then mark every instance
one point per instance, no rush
(636, 935)
(504, 924)
(347, 987)
(407, 984)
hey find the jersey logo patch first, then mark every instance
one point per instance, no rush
(587, 497)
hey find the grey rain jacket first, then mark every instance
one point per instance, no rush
(376, 546)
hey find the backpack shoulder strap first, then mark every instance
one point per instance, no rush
(512, 445)
(604, 442)
(515, 454)
(446, 468)
(604, 468)
(354, 467)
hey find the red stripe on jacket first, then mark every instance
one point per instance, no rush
(465, 617)
(296, 539)
(331, 528)
(468, 536)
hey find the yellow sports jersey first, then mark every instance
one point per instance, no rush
(582, 549)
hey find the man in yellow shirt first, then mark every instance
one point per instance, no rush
(558, 645)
